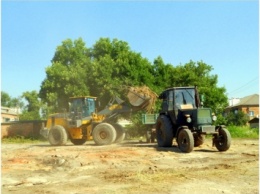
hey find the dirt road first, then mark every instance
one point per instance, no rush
(128, 168)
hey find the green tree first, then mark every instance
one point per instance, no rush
(115, 65)
(5, 99)
(67, 76)
(199, 74)
(8, 101)
(108, 65)
(238, 118)
(32, 109)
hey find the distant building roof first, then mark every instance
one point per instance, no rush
(248, 100)
(11, 111)
(254, 120)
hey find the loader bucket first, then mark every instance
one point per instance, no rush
(141, 97)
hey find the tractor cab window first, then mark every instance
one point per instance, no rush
(184, 98)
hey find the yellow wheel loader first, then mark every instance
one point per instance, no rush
(83, 122)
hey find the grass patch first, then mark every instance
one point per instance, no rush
(21, 139)
(243, 132)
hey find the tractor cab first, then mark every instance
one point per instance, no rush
(183, 106)
(82, 107)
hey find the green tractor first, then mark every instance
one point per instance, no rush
(183, 117)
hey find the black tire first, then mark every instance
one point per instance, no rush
(104, 134)
(120, 133)
(153, 136)
(57, 136)
(223, 141)
(185, 140)
(198, 139)
(164, 131)
(78, 141)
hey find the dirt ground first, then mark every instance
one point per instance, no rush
(130, 167)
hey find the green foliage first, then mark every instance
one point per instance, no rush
(221, 120)
(237, 119)
(8, 101)
(243, 132)
(137, 129)
(108, 65)
(32, 109)
(67, 76)
(20, 139)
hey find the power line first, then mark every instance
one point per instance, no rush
(245, 85)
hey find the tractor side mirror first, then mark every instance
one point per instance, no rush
(202, 98)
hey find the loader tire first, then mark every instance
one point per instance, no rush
(57, 136)
(78, 141)
(164, 131)
(120, 133)
(185, 140)
(104, 134)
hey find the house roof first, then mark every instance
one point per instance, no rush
(248, 100)
(254, 120)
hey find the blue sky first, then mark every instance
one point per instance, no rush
(223, 34)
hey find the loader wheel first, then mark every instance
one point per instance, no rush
(198, 139)
(224, 140)
(164, 131)
(185, 140)
(78, 141)
(104, 134)
(57, 136)
(120, 133)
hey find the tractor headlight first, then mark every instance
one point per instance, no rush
(188, 119)
(214, 117)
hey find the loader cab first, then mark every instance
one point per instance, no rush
(81, 107)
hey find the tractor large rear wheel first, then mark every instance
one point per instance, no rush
(164, 131)
(104, 134)
(185, 140)
(58, 136)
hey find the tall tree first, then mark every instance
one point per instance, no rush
(199, 74)
(8, 101)
(32, 109)
(68, 74)
(108, 65)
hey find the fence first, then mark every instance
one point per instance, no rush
(22, 128)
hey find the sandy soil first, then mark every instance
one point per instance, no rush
(130, 167)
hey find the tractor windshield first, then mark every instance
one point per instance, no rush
(184, 98)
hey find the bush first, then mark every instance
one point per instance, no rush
(243, 132)
(238, 119)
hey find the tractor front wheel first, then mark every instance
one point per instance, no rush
(223, 140)
(104, 134)
(185, 140)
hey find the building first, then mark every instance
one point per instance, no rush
(248, 105)
(9, 114)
